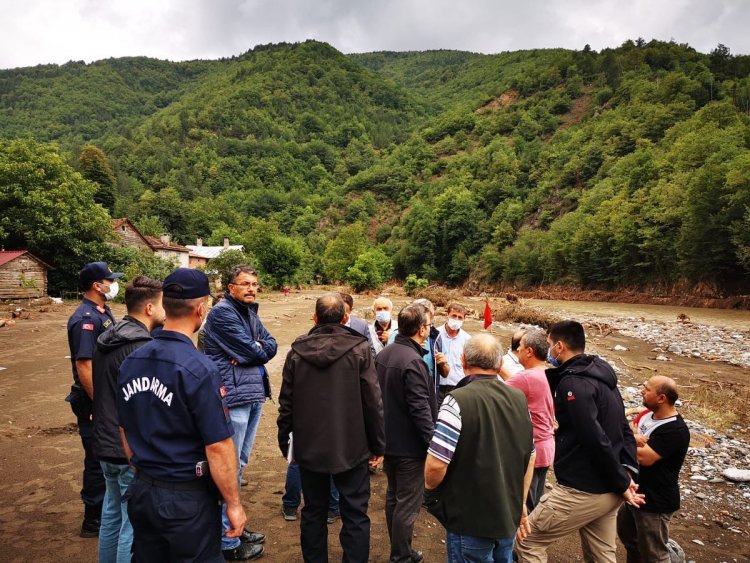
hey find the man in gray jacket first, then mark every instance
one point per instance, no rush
(145, 312)
(330, 405)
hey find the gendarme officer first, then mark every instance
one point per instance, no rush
(177, 435)
(90, 319)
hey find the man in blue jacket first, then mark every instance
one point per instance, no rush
(237, 341)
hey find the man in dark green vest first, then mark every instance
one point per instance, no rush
(481, 459)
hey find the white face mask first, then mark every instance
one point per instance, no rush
(114, 289)
(455, 324)
(383, 317)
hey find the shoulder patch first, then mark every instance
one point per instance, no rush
(87, 326)
(107, 323)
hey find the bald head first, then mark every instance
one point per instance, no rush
(515, 341)
(329, 309)
(483, 352)
(666, 386)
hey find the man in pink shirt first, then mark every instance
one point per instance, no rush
(532, 354)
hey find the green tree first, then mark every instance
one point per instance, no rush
(371, 269)
(279, 257)
(94, 167)
(48, 208)
(342, 251)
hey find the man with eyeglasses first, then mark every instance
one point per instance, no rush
(235, 338)
(410, 408)
(88, 321)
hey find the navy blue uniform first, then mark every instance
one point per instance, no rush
(85, 325)
(170, 404)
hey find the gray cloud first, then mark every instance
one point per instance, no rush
(44, 31)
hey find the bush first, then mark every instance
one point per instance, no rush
(370, 270)
(413, 283)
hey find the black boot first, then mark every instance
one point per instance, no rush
(92, 519)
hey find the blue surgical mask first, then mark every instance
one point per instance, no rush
(553, 361)
(383, 317)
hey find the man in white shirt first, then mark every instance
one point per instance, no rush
(511, 363)
(449, 348)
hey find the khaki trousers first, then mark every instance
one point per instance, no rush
(563, 511)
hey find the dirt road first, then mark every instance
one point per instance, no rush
(41, 456)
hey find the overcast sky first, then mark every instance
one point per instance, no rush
(56, 31)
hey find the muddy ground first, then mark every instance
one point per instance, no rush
(41, 455)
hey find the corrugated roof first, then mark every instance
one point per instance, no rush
(157, 244)
(9, 255)
(212, 251)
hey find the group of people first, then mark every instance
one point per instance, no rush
(461, 429)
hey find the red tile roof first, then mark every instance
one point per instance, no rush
(9, 255)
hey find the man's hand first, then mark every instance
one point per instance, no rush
(640, 440)
(632, 497)
(442, 363)
(384, 336)
(237, 520)
(524, 529)
(375, 461)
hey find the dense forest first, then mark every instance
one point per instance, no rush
(628, 167)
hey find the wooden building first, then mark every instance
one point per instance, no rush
(129, 235)
(22, 275)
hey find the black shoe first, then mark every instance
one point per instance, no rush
(92, 519)
(417, 556)
(289, 512)
(243, 552)
(332, 516)
(90, 528)
(252, 537)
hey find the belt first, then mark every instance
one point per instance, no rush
(193, 485)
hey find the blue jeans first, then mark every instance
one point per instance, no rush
(116, 533)
(478, 550)
(293, 490)
(245, 420)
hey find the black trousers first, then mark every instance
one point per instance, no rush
(403, 500)
(354, 495)
(174, 526)
(92, 492)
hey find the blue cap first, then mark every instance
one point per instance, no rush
(186, 283)
(96, 271)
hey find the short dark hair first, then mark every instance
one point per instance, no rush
(411, 318)
(457, 307)
(140, 291)
(570, 332)
(180, 308)
(515, 340)
(240, 269)
(329, 309)
(537, 341)
(669, 391)
(347, 299)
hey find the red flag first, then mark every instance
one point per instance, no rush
(487, 314)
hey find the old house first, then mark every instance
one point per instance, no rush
(200, 254)
(22, 275)
(165, 249)
(129, 235)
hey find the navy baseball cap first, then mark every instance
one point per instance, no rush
(186, 283)
(95, 271)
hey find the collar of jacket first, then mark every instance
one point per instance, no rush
(241, 306)
(470, 378)
(332, 328)
(407, 341)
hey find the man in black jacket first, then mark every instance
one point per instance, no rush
(595, 456)
(410, 408)
(145, 312)
(330, 404)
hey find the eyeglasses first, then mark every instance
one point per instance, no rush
(246, 284)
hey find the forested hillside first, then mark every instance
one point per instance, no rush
(628, 167)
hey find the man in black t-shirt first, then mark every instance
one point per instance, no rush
(662, 440)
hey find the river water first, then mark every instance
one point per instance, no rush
(726, 318)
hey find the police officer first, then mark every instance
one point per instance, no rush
(176, 430)
(88, 321)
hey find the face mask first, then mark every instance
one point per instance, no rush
(455, 324)
(114, 288)
(383, 317)
(554, 362)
